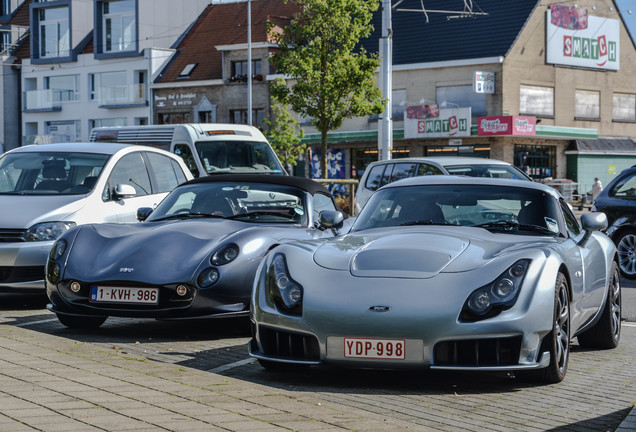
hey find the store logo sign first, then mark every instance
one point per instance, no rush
(587, 48)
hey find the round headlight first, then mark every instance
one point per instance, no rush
(503, 288)
(225, 255)
(479, 302)
(208, 277)
(294, 294)
(518, 269)
(47, 231)
(58, 249)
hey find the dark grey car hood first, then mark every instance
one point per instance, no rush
(420, 252)
(151, 252)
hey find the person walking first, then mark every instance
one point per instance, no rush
(597, 187)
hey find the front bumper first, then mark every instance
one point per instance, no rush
(22, 265)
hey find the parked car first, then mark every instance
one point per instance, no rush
(47, 189)
(206, 148)
(618, 202)
(384, 172)
(444, 272)
(194, 256)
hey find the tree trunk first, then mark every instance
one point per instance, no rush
(323, 162)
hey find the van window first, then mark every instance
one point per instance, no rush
(237, 157)
(164, 172)
(132, 171)
(183, 150)
(375, 177)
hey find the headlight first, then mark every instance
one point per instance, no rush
(58, 249)
(47, 231)
(497, 296)
(283, 291)
(208, 277)
(225, 255)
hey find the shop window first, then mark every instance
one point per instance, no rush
(624, 107)
(538, 162)
(362, 157)
(462, 96)
(587, 105)
(538, 101)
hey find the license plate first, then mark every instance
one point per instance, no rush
(101, 294)
(390, 349)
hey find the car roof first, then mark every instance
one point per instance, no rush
(435, 180)
(446, 160)
(82, 147)
(308, 185)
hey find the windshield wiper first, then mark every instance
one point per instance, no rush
(186, 216)
(261, 213)
(510, 224)
(424, 222)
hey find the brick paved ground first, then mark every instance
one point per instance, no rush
(147, 375)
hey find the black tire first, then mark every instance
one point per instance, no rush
(557, 342)
(626, 245)
(81, 322)
(607, 331)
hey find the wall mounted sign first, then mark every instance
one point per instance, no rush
(453, 122)
(507, 125)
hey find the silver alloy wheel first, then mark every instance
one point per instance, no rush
(615, 303)
(562, 328)
(627, 254)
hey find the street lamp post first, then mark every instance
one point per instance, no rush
(249, 62)
(385, 126)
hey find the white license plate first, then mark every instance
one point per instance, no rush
(392, 349)
(102, 294)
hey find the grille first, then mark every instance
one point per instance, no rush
(12, 235)
(21, 274)
(292, 346)
(478, 352)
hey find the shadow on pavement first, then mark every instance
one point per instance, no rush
(603, 423)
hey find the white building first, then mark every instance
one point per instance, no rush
(91, 62)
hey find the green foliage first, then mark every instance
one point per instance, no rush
(332, 77)
(281, 132)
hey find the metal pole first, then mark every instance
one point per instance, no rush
(249, 62)
(385, 132)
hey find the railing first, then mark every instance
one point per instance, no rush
(122, 95)
(349, 205)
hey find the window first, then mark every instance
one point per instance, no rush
(6, 40)
(536, 161)
(166, 171)
(54, 35)
(240, 116)
(5, 7)
(624, 107)
(322, 202)
(587, 104)
(183, 150)
(187, 70)
(130, 170)
(535, 100)
(119, 33)
(462, 96)
(624, 188)
(239, 71)
(118, 121)
(63, 88)
(572, 225)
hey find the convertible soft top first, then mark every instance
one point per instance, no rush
(305, 184)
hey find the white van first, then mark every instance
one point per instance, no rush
(206, 148)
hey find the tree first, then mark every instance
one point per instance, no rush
(281, 132)
(332, 77)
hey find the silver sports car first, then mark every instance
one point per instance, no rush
(444, 272)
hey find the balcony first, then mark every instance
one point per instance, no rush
(123, 96)
(46, 100)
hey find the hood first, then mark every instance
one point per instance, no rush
(161, 252)
(32, 209)
(418, 252)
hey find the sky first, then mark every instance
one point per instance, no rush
(630, 20)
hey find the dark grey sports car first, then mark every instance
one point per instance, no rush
(194, 256)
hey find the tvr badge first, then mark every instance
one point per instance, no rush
(126, 269)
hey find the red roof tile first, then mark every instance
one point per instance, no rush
(223, 24)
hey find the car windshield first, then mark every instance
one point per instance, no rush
(495, 208)
(248, 202)
(483, 170)
(50, 173)
(238, 157)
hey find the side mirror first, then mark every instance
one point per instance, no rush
(595, 221)
(331, 219)
(124, 191)
(143, 213)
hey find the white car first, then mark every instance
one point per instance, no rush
(384, 172)
(47, 189)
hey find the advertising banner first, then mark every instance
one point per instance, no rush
(484, 82)
(581, 40)
(451, 122)
(506, 125)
